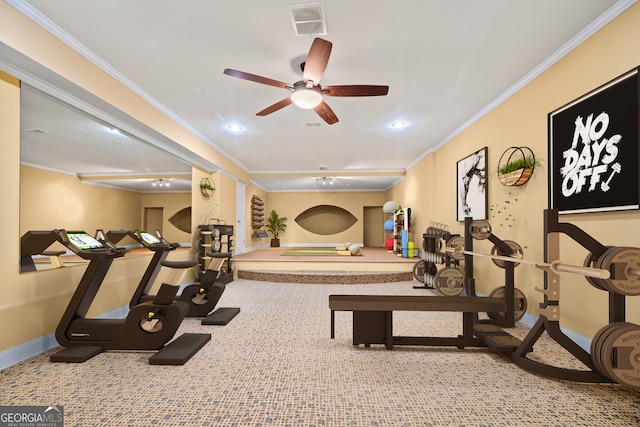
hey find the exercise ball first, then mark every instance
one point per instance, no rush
(388, 244)
(388, 225)
(355, 250)
(389, 207)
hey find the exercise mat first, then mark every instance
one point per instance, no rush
(315, 251)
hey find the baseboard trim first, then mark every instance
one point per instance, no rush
(39, 345)
(583, 342)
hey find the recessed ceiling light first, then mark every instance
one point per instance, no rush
(399, 124)
(234, 127)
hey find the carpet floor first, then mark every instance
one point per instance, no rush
(276, 365)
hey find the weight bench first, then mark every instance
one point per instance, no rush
(373, 320)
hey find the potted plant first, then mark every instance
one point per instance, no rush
(517, 168)
(275, 226)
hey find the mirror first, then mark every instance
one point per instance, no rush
(79, 172)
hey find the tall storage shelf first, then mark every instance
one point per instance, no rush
(215, 238)
(401, 230)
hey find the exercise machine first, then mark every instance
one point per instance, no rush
(615, 349)
(148, 326)
(201, 298)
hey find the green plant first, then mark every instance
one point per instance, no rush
(276, 224)
(207, 186)
(528, 162)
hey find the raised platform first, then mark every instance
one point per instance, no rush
(376, 265)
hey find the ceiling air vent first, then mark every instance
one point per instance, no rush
(309, 19)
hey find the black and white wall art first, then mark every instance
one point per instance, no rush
(472, 186)
(593, 149)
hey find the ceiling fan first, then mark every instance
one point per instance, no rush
(307, 93)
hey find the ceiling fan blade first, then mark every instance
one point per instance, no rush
(255, 78)
(355, 90)
(326, 113)
(275, 107)
(317, 60)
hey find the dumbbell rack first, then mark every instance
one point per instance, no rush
(549, 319)
(431, 256)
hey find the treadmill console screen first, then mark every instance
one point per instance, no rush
(149, 238)
(84, 241)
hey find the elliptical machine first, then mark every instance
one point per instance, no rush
(147, 326)
(201, 297)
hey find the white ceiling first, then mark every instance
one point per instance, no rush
(446, 63)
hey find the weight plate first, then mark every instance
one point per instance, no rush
(418, 271)
(422, 269)
(216, 233)
(598, 263)
(217, 245)
(596, 344)
(519, 303)
(449, 281)
(621, 355)
(456, 243)
(480, 229)
(516, 253)
(591, 261)
(623, 263)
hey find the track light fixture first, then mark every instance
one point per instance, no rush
(160, 182)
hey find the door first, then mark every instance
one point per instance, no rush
(373, 233)
(241, 215)
(152, 220)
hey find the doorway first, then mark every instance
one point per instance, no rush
(373, 232)
(240, 236)
(152, 219)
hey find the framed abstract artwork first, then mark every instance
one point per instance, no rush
(593, 150)
(471, 175)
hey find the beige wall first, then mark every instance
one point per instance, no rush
(50, 200)
(290, 205)
(522, 121)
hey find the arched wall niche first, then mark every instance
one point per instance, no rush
(326, 220)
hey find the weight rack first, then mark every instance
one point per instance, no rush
(508, 318)
(424, 271)
(549, 319)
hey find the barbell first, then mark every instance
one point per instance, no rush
(555, 266)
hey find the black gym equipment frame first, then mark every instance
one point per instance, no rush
(148, 326)
(201, 298)
(549, 319)
(372, 314)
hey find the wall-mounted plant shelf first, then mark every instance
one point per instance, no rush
(257, 214)
(516, 166)
(207, 188)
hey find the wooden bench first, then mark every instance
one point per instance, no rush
(373, 319)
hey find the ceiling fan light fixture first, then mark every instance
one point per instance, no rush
(304, 97)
